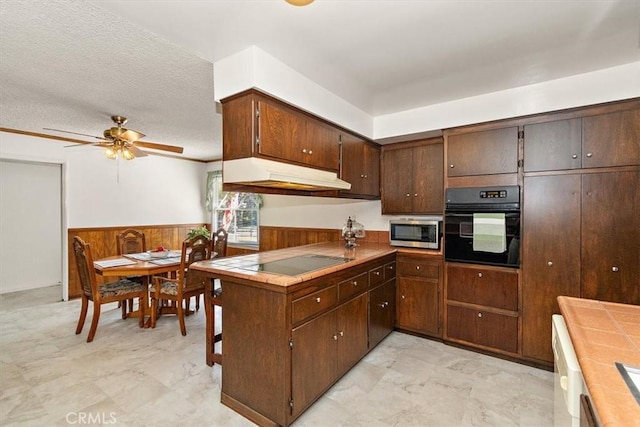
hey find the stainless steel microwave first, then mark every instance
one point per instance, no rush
(416, 233)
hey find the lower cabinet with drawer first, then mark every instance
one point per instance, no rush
(334, 326)
(482, 307)
(419, 294)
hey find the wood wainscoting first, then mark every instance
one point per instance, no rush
(103, 244)
(284, 237)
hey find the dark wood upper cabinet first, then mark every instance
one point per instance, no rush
(553, 145)
(603, 140)
(360, 166)
(486, 152)
(611, 139)
(412, 178)
(256, 125)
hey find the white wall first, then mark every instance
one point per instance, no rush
(98, 192)
(102, 193)
(30, 225)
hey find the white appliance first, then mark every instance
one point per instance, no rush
(568, 381)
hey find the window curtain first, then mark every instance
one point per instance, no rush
(214, 190)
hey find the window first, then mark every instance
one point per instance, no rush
(237, 213)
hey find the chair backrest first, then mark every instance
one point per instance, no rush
(84, 264)
(196, 249)
(220, 243)
(131, 241)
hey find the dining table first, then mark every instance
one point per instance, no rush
(142, 265)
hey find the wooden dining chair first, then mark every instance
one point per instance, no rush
(120, 290)
(130, 241)
(213, 299)
(186, 284)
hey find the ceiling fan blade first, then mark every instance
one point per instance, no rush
(136, 151)
(88, 144)
(162, 147)
(74, 133)
(131, 135)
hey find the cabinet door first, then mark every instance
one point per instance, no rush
(352, 332)
(611, 139)
(360, 166)
(418, 305)
(483, 286)
(238, 128)
(289, 135)
(550, 256)
(313, 359)
(488, 329)
(553, 145)
(611, 236)
(382, 312)
(428, 179)
(483, 153)
(397, 181)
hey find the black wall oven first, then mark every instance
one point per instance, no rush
(496, 238)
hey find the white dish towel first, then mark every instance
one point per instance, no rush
(489, 232)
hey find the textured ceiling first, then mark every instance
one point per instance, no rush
(72, 64)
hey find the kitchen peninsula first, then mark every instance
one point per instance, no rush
(296, 320)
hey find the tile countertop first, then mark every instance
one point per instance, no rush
(236, 266)
(603, 333)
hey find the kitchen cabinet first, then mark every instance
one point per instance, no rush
(550, 256)
(485, 152)
(360, 167)
(483, 307)
(257, 125)
(412, 178)
(602, 140)
(327, 347)
(382, 307)
(419, 291)
(611, 236)
(581, 237)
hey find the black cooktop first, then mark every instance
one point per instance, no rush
(297, 265)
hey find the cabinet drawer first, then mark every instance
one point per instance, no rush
(314, 303)
(481, 286)
(389, 271)
(376, 276)
(483, 328)
(352, 286)
(417, 267)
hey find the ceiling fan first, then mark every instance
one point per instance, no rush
(124, 142)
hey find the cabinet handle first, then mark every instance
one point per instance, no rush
(451, 166)
(341, 333)
(390, 267)
(366, 176)
(479, 274)
(402, 296)
(575, 156)
(310, 151)
(417, 267)
(589, 155)
(384, 304)
(550, 264)
(614, 269)
(335, 338)
(304, 150)
(415, 195)
(479, 314)
(377, 273)
(408, 195)
(318, 299)
(355, 283)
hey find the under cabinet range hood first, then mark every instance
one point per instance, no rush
(268, 173)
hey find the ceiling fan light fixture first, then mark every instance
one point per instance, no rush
(111, 153)
(127, 154)
(299, 2)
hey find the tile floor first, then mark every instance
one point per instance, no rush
(133, 377)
